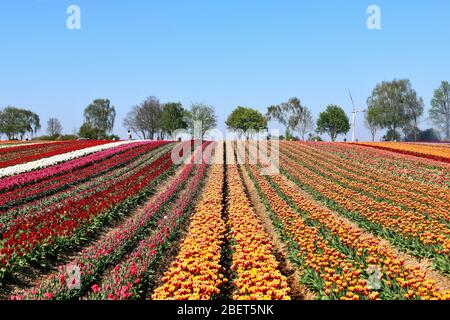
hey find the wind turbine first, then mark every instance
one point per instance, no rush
(354, 113)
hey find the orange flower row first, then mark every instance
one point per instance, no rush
(196, 274)
(391, 217)
(426, 149)
(436, 152)
(367, 248)
(430, 206)
(255, 266)
(373, 175)
(340, 276)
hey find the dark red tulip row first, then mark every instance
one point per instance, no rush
(66, 225)
(129, 278)
(93, 260)
(35, 208)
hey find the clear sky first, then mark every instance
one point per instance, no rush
(226, 53)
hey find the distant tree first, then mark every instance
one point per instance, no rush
(302, 122)
(440, 109)
(89, 132)
(203, 114)
(99, 115)
(245, 119)
(333, 121)
(414, 110)
(392, 135)
(15, 123)
(397, 104)
(134, 123)
(294, 116)
(54, 127)
(371, 121)
(173, 117)
(145, 118)
(314, 137)
(428, 135)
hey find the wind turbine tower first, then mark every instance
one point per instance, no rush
(354, 113)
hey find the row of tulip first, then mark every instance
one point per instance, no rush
(130, 279)
(42, 206)
(257, 275)
(357, 163)
(59, 158)
(108, 160)
(423, 224)
(365, 253)
(23, 154)
(408, 230)
(433, 152)
(326, 271)
(415, 169)
(430, 207)
(84, 158)
(398, 281)
(65, 225)
(11, 144)
(111, 249)
(197, 273)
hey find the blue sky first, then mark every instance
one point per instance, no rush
(225, 53)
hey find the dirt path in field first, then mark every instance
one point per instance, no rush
(31, 276)
(425, 265)
(293, 274)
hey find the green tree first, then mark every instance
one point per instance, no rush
(245, 119)
(203, 115)
(333, 121)
(440, 109)
(397, 105)
(414, 110)
(392, 135)
(429, 135)
(173, 117)
(15, 123)
(89, 132)
(372, 122)
(294, 116)
(100, 115)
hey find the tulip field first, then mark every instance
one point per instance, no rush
(121, 220)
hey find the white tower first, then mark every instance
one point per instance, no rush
(354, 113)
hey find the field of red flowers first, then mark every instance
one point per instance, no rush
(97, 220)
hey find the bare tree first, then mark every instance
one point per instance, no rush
(203, 114)
(54, 127)
(440, 111)
(145, 119)
(294, 116)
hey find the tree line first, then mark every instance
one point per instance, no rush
(396, 107)
(393, 106)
